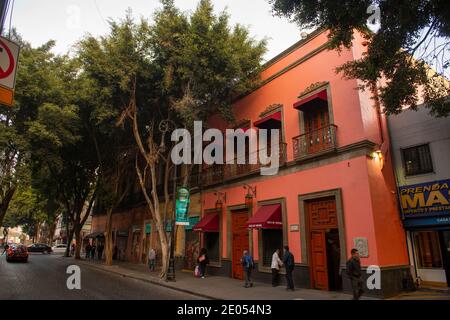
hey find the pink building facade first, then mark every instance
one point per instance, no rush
(335, 188)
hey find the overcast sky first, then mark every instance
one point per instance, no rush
(66, 21)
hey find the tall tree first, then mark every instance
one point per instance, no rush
(62, 157)
(199, 64)
(413, 36)
(36, 83)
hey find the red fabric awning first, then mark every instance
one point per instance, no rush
(272, 117)
(319, 97)
(209, 223)
(267, 217)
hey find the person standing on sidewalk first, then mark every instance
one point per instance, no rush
(247, 265)
(100, 251)
(288, 260)
(354, 273)
(203, 261)
(93, 251)
(276, 264)
(88, 250)
(151, 259)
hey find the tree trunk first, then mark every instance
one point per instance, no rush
(69, 235)
(37, 232)
(78, 243)
(2, 214)
(108, 239)
(4, 204)
(51, 234)
(165, 253)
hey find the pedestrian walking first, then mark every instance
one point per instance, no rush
(203, 261)
(88, 250)
(276, 264)
(354, 273)
(288, 260)
(93, 249)
(152, 259)
(100, 251)
(247, 265)
(72, 249)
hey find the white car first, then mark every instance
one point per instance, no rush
(59, 248)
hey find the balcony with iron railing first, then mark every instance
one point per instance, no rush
(239, 167)
(314, 143)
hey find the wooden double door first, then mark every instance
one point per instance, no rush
(324, 244)
(240, 241)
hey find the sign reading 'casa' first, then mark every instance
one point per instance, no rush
(9, 55)
(425, 199)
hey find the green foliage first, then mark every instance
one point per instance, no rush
(419, 29)
(204, 62)
(27, 209)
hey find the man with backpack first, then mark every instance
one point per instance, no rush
(247, 265)
(288, 261)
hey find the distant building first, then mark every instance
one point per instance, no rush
(15, 235)
(60, 236)
(421, 147)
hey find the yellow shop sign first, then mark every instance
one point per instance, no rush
(425, 199)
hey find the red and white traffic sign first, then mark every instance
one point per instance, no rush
(9, 55)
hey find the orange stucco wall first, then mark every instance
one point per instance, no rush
(369, 205)
(350, 176)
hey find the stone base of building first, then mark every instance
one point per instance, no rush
(394, 280)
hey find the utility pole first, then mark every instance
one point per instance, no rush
(3, 11)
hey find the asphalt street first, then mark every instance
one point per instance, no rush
(44, 277)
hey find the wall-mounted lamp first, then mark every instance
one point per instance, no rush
(221, 198)
(377, 155)
(251, 193)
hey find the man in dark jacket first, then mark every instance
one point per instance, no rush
(288, 261)
(354, 273)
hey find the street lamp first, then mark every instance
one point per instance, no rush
(251, 193)
(221, 198)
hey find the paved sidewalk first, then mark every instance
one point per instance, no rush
(219, 288)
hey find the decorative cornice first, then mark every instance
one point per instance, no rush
(313, 87)
(270, 109)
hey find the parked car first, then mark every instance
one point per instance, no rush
(59, 248)
(40, 247)
(17, 252)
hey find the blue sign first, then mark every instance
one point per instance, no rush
(425, 199)
(427, 222)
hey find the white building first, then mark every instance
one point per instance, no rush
(421, 151)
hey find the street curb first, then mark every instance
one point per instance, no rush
(156, 282)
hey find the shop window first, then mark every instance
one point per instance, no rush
(211, 241)
(428, 250)
(272, 239)
(417, 160)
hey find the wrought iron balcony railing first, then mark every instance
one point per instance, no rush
(218, 173)
(315, 142)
